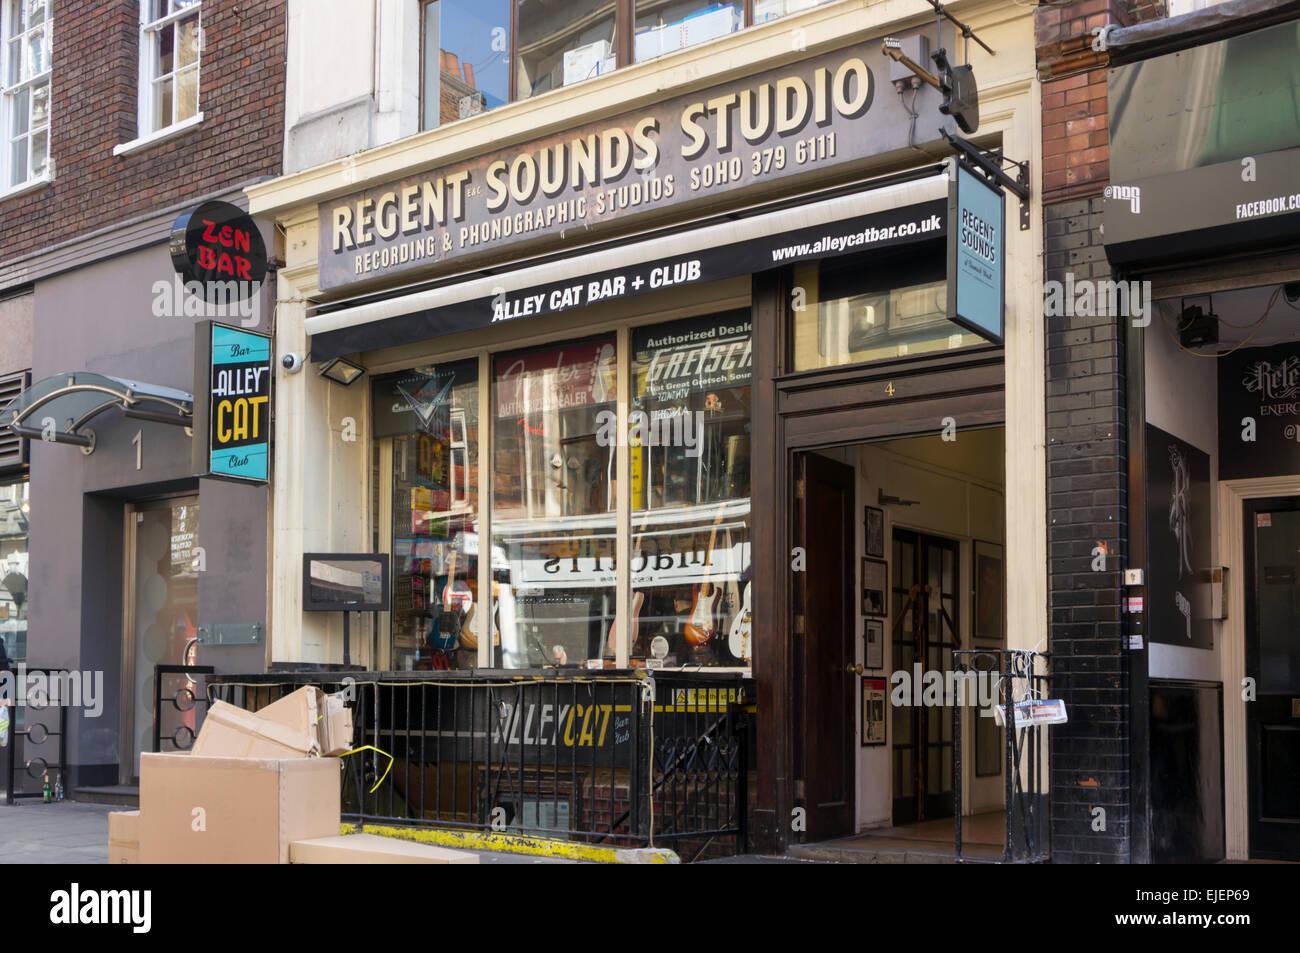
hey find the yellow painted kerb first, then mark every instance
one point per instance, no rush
(520, 844)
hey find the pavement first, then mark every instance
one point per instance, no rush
(75, 832)
(68, 832)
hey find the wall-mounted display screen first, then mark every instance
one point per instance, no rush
(345, 582)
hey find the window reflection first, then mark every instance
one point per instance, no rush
(432, 412)
(873, 307)
(553, 502)
(665, 26)
(765, 10)
(691, 590)
(561, 42)
(15, 509)
(466, 59)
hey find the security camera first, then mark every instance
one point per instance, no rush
(292, 363)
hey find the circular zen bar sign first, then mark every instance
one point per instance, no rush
(218, 251)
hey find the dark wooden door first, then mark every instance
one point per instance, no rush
(1272, 579)
(824, 645)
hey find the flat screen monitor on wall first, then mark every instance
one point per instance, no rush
(345, 582)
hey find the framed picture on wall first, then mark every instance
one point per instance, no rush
(989, 620)
(874, 521)
(873, 643)
(875, 583)
(874, 691)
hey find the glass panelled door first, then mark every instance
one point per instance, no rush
(1272, 564)
(162, 613)
(924, 622)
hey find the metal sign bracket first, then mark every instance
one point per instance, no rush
(990, 164)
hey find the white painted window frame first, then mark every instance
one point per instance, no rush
(147, 133)
(9, 187)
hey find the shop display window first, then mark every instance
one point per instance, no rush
(691, 590)
(553, 501)
(557, 508)
(874, 307)
(432, 414)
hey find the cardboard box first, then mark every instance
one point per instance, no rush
(124, 837)
(369, 849)
(584, 62)
(310, 711)
(206, 810)
(230, 732)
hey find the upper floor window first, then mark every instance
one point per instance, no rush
(25, 104)
(1179, 7)
(666, 26)
(466, 58)
(477, 54)
(559, 44)
(170, 39)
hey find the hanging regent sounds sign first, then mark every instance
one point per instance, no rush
(232, 402)
(770, 127)
(976, 256)
(218, 251)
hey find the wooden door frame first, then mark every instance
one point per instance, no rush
(1249, 619)
(810, 410)
(1231, 499)
(802, 729)
(127, 726)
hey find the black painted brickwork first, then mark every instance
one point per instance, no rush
(1087, 488)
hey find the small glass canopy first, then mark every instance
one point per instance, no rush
(58, 408)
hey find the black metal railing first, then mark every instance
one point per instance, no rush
(619, 758)
(178, 689)
(1013, 675)
(38, 731)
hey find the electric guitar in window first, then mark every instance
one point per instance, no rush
(638, 600)
(457, 602)
(738, 641)
(702, 622)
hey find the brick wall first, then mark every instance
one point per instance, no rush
(1087, 484)
(95, 63)
(1087, 456)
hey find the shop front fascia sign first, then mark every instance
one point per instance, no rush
(822, 113)
(1207, 210)
(977, 267)
(232, 402)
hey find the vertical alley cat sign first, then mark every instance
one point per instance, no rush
(232, 402)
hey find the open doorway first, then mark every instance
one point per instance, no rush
(921, 551)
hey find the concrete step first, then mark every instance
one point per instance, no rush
(893, 850)
(369, 849)
(127, 795)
